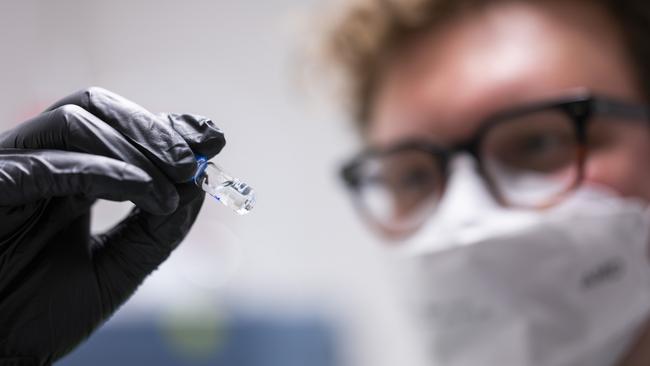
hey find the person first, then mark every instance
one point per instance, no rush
(59, 282)
(527, 103)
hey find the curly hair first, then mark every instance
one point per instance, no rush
(369, 30)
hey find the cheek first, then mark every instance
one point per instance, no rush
(624, 168)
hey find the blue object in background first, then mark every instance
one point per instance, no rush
(241, 341)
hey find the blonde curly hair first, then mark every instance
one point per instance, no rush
(370, 30)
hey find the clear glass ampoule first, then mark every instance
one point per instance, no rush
(230, 191)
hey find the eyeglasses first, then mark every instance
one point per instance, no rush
(529, 157)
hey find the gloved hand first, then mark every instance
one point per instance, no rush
(57, 281)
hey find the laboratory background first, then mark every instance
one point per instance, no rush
(300, 280)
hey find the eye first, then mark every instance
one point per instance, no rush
(541, 143)
(416, 178)
(394, 188)
(532, 159)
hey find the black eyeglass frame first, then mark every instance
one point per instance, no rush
(579, 108)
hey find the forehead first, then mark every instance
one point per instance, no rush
(442, 84)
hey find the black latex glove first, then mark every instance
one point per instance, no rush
(57, 281)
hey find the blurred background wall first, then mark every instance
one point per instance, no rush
(299, 278)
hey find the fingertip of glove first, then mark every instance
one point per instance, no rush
(157, 199)
(185, 165)
(163, 204)
(170, 203)
(201, 133)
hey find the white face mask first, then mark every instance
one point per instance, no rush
(569, 286)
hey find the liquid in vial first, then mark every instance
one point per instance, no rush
(230, 191)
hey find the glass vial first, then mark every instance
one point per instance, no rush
(230, 191)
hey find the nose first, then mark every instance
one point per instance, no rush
(467, 198)
(462, 212)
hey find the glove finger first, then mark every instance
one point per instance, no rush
(155, 139)
(200, 133)
(134, 248)
(28, 176)
(72, 128)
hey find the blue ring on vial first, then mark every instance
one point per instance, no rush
(201, 165)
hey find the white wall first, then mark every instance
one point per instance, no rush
(233, 61)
